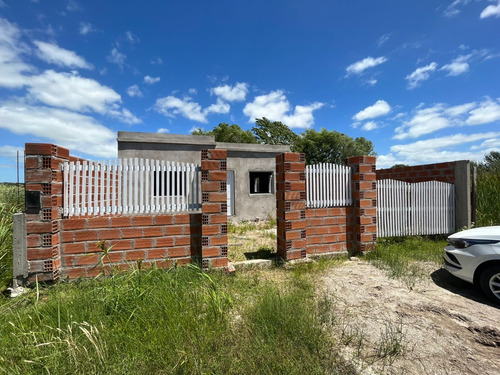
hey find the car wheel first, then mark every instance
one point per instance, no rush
(490, 283)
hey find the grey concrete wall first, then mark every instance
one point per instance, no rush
(20, 256)
(462, 195)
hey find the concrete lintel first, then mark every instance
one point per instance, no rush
(250, 147)
(140, 137)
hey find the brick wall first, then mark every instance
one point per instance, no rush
(444, 172)
(59, 246)
(303, 231)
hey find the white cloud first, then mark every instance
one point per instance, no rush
(151, 80)
(163, 131)
(360, 66)
(156, 61)
(380, 108)
(453, 10)
(487, 112)
(73, 6)
(87, 28)
(370, 125)
(68, 129)
(171, 106)
(276, 107)
(54, 54)
(458, 66)
(131, 37)
(491, 11)
(11, 48)
(11, 152)
(236, 93)
(134, 91)
(440, 116)
(384, 38)
(116, 57)
(420, 74)
(122, 114)
(449, 148)
(192, 91)
(219, 107)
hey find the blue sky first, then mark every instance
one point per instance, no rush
(419, 78)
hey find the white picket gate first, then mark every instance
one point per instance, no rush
(421, 208)
(328, 185)
(127, 186)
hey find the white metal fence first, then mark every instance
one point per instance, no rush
(130, 186)
(415, 208)
(328, 185)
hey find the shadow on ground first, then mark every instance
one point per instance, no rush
(445, 280)
(262, 253)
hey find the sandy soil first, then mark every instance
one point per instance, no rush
(440, 325)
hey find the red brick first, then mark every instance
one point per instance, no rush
(182, 219)
(218, 219)
(38, 227)
(329, 238)
(219, 262)
(67, 260)
(291, 157)
(109, 234)
(299, 244)
(164, 263)
(209, 230)
(292, 235)
(293, 176)
(299, 224)
(142, 220)
(207, 186)
(218, 154)
(143, 243)
(321, 230)
(218, 240)
(298, 185)
(208, 208)
(292, 196)
(210, 251)
(135, 255)
(86, 235)
(217, 197)
(218, 175)
(74, 248)
(157, 253)
(175, 252)
(113, 257)
(174, 230)
(182, 241)
(39, 253)
(33, 240)
(87, 259)
(121, 245)
(165, 242)
(163, 219)
(314, 239)
(98, 222)
(31, 162)
(38, 148)
(153, 232)
(121, 221)
(74, 273)
(292, 215)
(131, 232)
(209, 165)
(330, 221)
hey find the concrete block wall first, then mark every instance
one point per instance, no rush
(303, 231)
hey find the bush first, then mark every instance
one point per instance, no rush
(488, 197)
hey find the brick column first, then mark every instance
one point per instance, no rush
(364, 200)
(291, 205)
(44, 187)
(213, 208)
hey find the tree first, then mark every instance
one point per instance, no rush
(273, 133)
(331, 146)
(228, 133)
(492, 161)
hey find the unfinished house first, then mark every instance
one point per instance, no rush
(251, 168)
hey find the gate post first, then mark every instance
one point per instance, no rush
(291, 205)
(213, 209)
(43, 189)
(364, 200)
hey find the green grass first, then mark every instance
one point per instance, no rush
(402, 257)
(180, 321)
(8, 206)
(487, 198)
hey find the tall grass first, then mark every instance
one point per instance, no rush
(488, 197)
(180, 321)
(9, 205)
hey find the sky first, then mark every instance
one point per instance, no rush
(419, 78)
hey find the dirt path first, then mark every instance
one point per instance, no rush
(441, 325)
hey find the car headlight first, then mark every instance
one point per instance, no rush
(464, 243)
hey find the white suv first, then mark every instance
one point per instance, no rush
(474, 256)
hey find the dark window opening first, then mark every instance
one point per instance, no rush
(171, 184)
(261, 182)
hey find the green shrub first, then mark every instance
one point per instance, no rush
(488, 198)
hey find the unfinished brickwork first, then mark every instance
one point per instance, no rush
(444, 172)
(214, 208)
(319, 231)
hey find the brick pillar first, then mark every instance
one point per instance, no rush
(44, 187)
(213, 208)
(364, 200)
(291, 205)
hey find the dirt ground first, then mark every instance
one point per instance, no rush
(440, 325)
